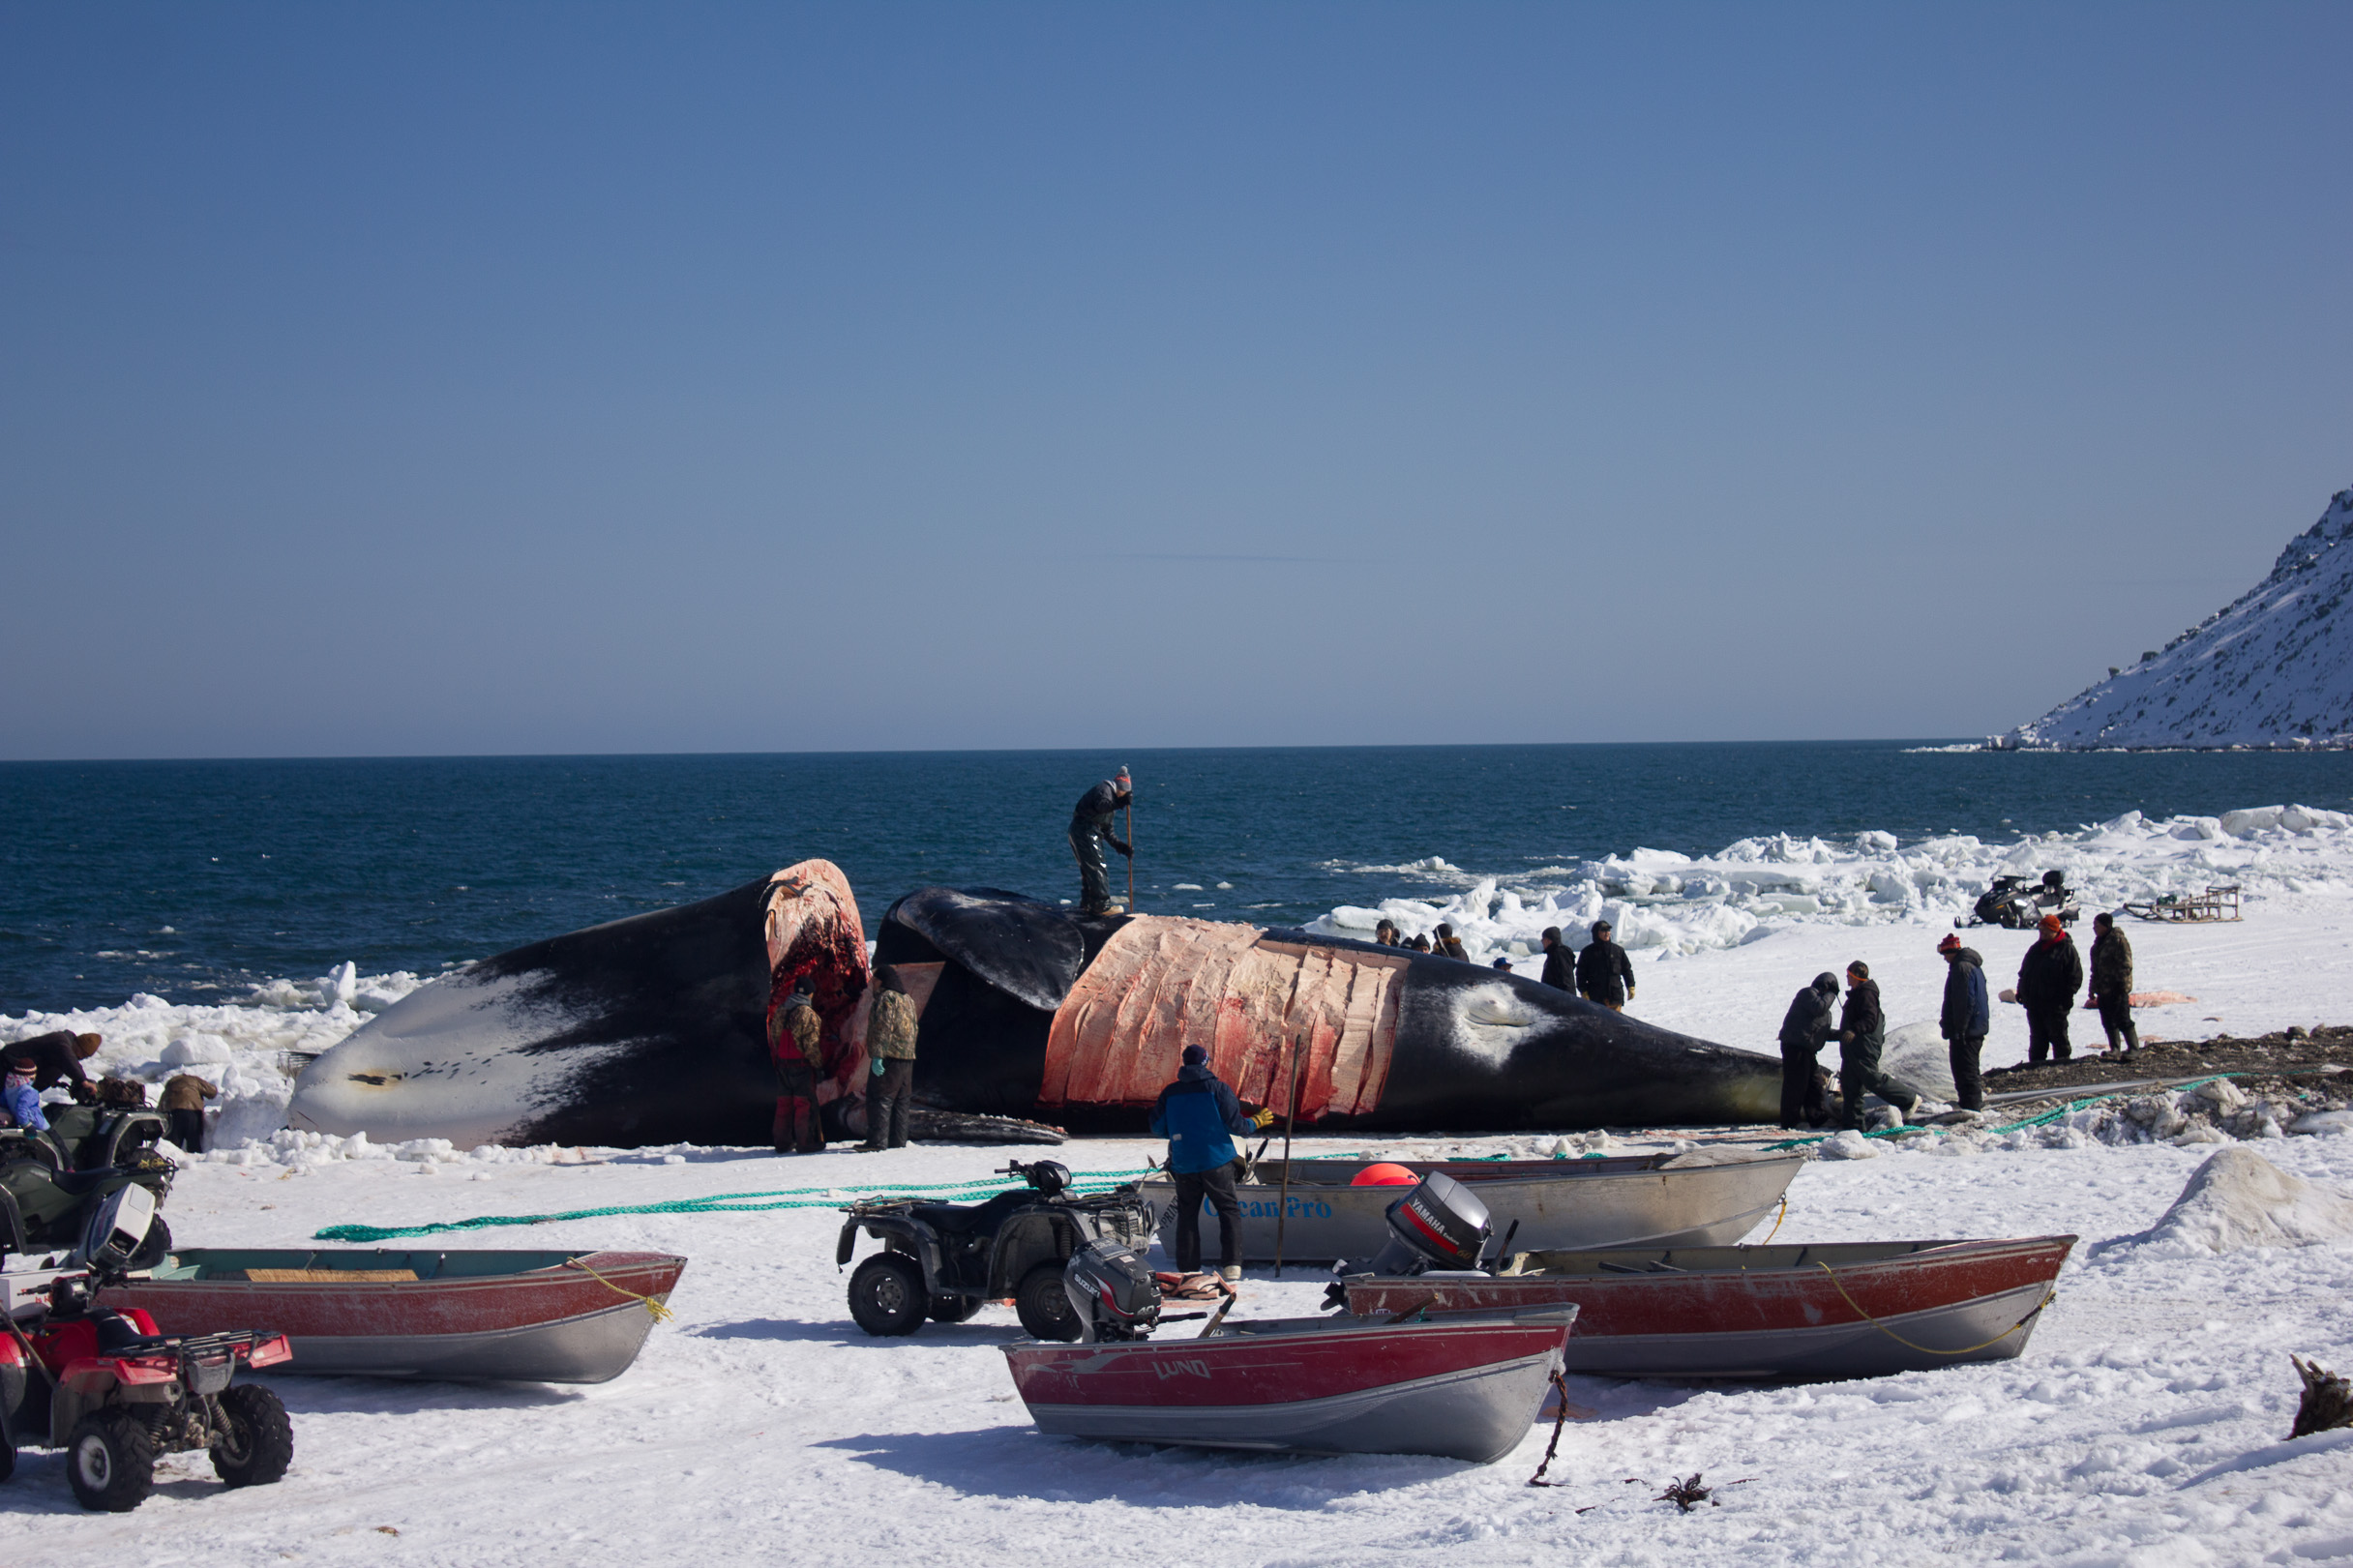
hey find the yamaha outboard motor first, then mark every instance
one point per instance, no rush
(1112, 1291)
(1438, 1225)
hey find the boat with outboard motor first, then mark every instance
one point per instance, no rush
(1700, 1197)
(1811, 1309)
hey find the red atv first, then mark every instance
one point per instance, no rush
(114, 1394)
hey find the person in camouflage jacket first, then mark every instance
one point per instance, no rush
(890, 1048)
(2112, 982)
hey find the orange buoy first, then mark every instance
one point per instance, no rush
(1383, 1174)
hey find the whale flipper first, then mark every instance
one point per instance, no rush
(1029, 950)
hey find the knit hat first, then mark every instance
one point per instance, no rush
(1950, 943)
(2051, 927)
(85, 1045)
(1860, 969)
(1195, 1055)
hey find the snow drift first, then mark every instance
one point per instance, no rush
(2240, 1200)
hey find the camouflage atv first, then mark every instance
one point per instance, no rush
(51, 1183)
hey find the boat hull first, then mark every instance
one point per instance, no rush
(1465, 1389)
(1768, 1312)
(554, 1322)
(1583, 1205)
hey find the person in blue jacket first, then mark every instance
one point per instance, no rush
(23, 1102)
(1198, 1115)
(1964, 1020)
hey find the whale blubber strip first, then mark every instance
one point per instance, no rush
(1162, 982)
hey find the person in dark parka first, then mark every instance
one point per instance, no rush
(1446, 944)
(1964, 1020)
(55, 1059)
(2049, 978)
(1604, 973)
(1862, 1032)
(1198, 1115)
(2112, 982)
(1803, 1028)
(1560, 963)
(1090, 829)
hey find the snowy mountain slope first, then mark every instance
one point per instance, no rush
(2275, 667)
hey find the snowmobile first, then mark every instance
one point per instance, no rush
(2015, 903)
(51, 1183)
(113, 1393)
(943, 1261)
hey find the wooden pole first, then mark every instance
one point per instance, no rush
(1291, 1119)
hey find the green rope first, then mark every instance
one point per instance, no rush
(1082, 1183)
(2042, 1120)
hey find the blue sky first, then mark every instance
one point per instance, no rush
(610, 378)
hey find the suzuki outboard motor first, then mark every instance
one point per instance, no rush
(1438, 1225)
(1113, 1292)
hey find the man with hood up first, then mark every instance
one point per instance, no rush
(1803, 1028)
(1604, 973)
(1862, 1031)
(1965, 1019)
(1197, 1114)
(2049, 978)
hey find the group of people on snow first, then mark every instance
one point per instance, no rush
(2050, 977)
(53, 1061)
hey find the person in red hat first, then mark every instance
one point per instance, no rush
(1964, 1020)
(2048, 979)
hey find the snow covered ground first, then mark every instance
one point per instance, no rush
(2144, 1425)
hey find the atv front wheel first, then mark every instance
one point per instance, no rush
(1044, 1305)
(886, 1295)
(258, 1443)
(111, 1461)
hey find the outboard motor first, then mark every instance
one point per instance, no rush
(117, 1229)
(1441, 1224)
(1112, 1291)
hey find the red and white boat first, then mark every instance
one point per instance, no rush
(1462, 1388)
(535, 1316)
(1842, 1310)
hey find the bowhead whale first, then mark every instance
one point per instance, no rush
(651, 1029)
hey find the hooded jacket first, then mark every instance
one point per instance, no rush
(2051, 975)
(1808, 1022)
(1196, 1114)
(1966, 1016)
(890, 1027)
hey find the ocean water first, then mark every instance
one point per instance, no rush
(195, 881)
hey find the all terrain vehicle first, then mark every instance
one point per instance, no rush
(943, 1261)
(2015, 903)
(106, 1387)
(52, 1183)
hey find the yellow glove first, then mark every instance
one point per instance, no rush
(1263, 1119)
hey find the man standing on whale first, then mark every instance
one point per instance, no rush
(1090, 829)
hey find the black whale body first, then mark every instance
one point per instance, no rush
(650, 1031)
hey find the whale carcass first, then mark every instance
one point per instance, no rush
(652, 1029)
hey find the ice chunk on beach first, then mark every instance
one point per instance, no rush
(2239, 1200)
